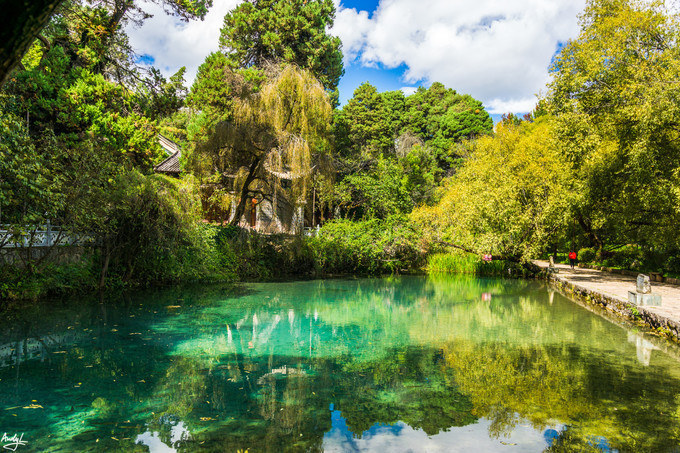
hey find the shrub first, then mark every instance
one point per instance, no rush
(249, 255)
(372, 246)
(587, 255)
(673, 264)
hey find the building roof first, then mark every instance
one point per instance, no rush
(168, 145)
(171, 164)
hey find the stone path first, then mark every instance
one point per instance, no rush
(616, 286)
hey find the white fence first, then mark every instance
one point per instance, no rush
(41, 236)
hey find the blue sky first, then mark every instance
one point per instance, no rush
(498, 52)
(360, 5)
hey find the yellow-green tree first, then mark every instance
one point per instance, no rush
(509, 198)
(273, 135)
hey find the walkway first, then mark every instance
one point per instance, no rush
(614, 291)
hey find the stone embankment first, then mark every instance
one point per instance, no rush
(610, 291)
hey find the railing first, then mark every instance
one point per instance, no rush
(42, 236)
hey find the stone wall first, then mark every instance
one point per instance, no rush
(638, 314)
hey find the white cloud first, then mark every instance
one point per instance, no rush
(352, 27)
(408, 90)
(173, 43)
(400, 437)
(496, 50)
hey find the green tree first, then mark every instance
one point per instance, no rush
(615, 96)
(87, 125)
(365, 127)
(442, 117)
(293, 31)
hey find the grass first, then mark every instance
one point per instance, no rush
(465, 263)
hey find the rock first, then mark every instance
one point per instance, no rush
(646, 299)
(643, 284)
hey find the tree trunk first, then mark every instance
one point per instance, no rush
(22, 21)
(593, 238)
(245, 190)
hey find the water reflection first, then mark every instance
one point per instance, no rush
(446, 364)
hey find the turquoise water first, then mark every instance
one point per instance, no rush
(402, 364)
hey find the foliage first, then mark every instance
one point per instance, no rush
(152, 232)
(392, 186)
(258, 32)
(251, 256)
(52, 279)
(615, 99)
(509, 198)
(367, 126)
(373, 123)
(367, 247)
(587, 255)
(266, 149)
(442, 117)
(391, 149)
(27, 189)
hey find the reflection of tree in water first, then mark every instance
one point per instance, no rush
(595, 396)
(505, 357)
(260, 370)
(411, 385)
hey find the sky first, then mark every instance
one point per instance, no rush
(498, 51)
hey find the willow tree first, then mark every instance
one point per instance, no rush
(267, 147)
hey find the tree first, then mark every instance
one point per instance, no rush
(509, 198)
(391, 149)
(23, 21)
(80, 138)
(364, 127)
(272, 135)
(294, 31)
(615, 96)
(442, 117)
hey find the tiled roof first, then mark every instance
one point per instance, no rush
(169, 165)
(168, 145)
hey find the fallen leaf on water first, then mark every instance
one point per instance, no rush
(174, 306)
(33, 406)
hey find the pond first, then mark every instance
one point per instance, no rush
(418, 364)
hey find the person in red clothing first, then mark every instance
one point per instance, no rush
(572, 258)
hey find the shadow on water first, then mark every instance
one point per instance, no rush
(448, 363)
